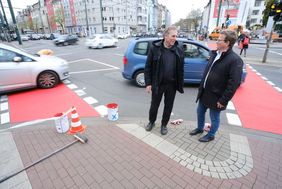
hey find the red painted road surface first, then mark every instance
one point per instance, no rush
(45, 103)
(258, 104)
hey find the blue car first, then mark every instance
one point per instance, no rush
(196, 59)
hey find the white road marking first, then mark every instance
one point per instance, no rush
(98, 62)
(278, 89)
(3, 98)
(264, 78)
(102, 110)
(230, 106)
(4, 106)
(88, 71)
(275, 52)
(5, 118)
(72, 86)
(233, 119)
(80, 92)
(90, 100)
(259, 74)
(67, 81)
(119, 54)
(270, 83)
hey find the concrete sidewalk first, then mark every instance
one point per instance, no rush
(123, 155)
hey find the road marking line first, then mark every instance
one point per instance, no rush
(66, 81)
(102, 110)
(88, 71)
(72, 86)
(259, 74)
(5, 118)
(270, 83)
(264, 78)
(4, 106)
(98, 62)
(239, 164)
(90, 100)
(233, 119)
(80, 92)
(3, 98)
(230, 106)
(275, 52)
(277, 88)
(119, 54)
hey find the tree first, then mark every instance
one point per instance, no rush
(266, 11)
(195, 16)
(59, 19)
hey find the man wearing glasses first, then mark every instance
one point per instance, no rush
(221, 79)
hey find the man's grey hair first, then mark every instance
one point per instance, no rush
(230, 36)
(168, 29)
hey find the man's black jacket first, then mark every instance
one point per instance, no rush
(223, 80)
(154, 66)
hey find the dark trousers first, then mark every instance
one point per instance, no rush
(168, 91)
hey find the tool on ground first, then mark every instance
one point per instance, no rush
(81, 138)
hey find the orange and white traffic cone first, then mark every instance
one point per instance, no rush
(76, 125)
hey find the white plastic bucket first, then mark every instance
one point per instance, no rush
(62, 123)
(112, 111)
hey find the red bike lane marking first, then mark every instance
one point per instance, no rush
(259, 105)
(45, 103)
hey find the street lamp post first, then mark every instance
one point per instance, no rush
(218, 13)
(102, 21)
(14, 21)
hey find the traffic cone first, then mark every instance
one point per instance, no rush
(76, 125)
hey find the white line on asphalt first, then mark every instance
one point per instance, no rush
(119, 54)
(65, 54)
(4, 106)
(270, 83)
(230, 106)
(90, 100)
(66, 81)
(98, 62)
(275, 52)
(233, 119)
(102, 110)
(72, 86)
(278, 89)
(3, 98)
(80, 92)
(5, 118)
(259, 74)
(89, 71)
(264, 78)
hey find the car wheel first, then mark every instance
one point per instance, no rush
(47, 79)
(139, 78)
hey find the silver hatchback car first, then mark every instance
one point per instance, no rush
(21, 70)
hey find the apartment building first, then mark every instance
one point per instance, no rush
(97, 16)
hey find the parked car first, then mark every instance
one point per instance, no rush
(100, 41)
(24, 37)
(122, 36)
(20, 70)
(66, 40)
(35, 36)
(196, 59)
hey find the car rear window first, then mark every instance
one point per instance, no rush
(141, 48)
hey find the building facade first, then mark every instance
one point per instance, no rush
(95, 16)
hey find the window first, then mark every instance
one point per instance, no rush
(141, 48)
(194, 51)
(8, 56)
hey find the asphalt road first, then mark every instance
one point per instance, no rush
(98, 73)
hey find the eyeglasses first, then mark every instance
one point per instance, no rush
(220, 40)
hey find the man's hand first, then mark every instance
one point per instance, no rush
(219, 105)
(149, 89)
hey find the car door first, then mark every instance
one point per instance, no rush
(195, 61)
(14, 74)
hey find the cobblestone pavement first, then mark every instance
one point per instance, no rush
(123, 155)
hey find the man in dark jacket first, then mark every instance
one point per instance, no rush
(221, 79)
(164, 76)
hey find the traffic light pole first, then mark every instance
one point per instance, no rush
(267, 43)
(218, 13)
(14, 21)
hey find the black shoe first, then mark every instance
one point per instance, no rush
(206, 138)
(163, 130)
(196, 131)
(150, 126)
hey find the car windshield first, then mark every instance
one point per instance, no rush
(62, 37)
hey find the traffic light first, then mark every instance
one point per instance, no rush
(275, 11)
